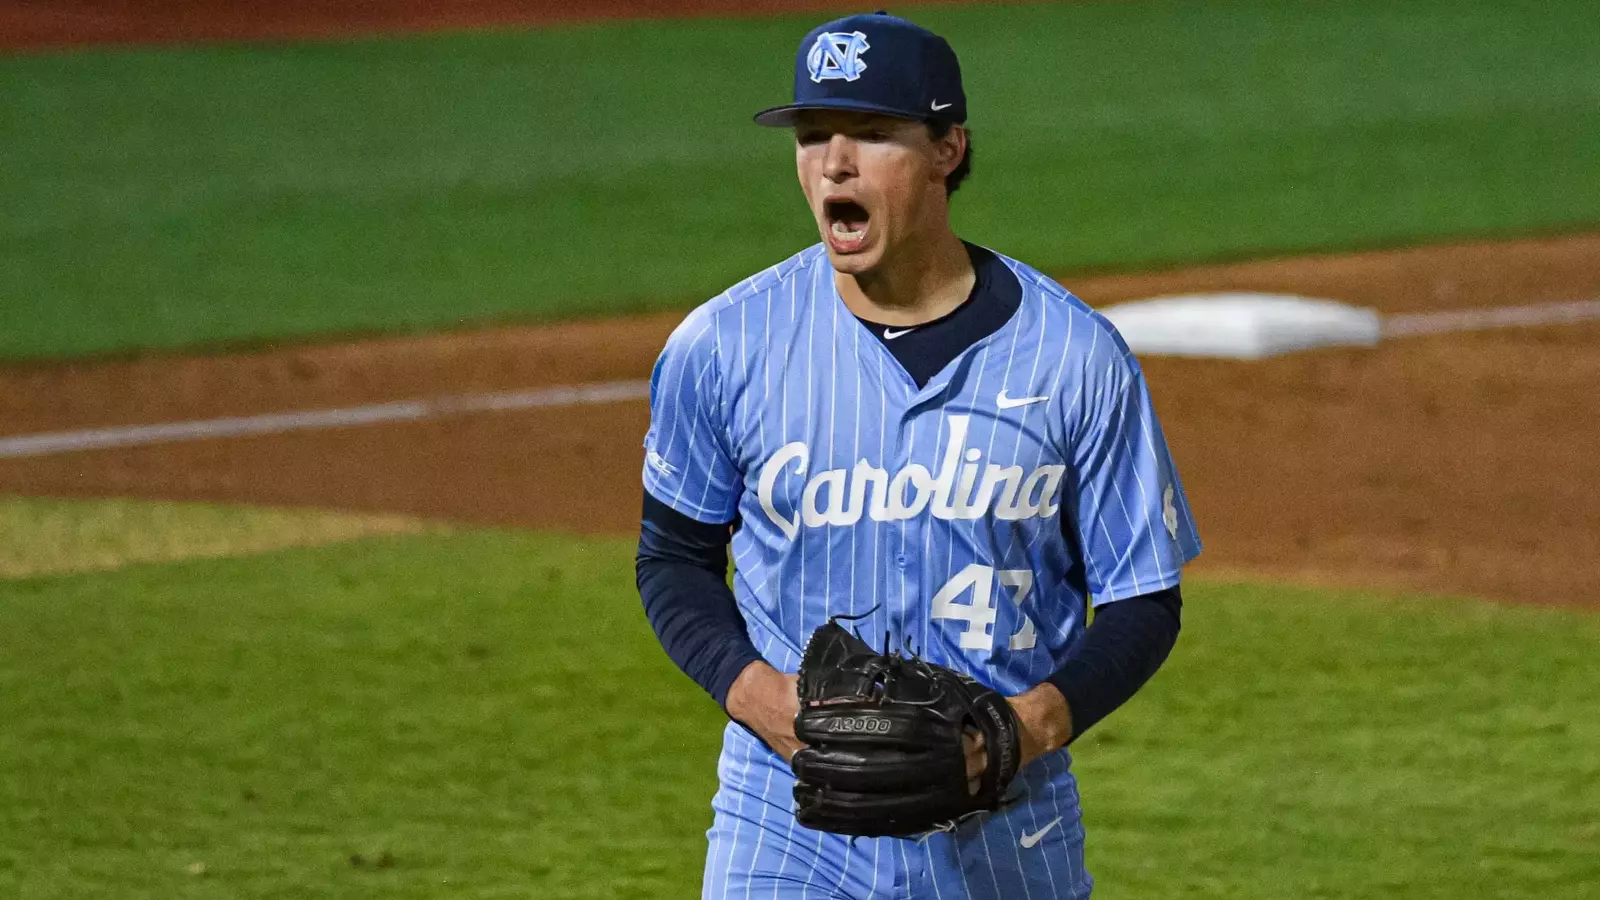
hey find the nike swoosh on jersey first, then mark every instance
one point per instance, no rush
(1005, 402)
(1028, 840)
(890, 334)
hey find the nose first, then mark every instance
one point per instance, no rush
(840, 162)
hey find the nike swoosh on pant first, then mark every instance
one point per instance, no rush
(1028, 840)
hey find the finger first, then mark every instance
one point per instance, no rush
(977, 759)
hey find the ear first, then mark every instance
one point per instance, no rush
(949, 149)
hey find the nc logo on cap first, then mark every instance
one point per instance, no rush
(837, 55)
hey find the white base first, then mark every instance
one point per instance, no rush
(1241, 325)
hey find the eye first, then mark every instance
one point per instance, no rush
(808, 138)
(875, 136)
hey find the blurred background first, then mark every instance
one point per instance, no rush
(323, 332)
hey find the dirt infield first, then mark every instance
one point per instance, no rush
(40, 24)
(1458, 463)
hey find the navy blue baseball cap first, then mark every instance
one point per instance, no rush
(875, 63)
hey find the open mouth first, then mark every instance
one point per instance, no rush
(847, 224)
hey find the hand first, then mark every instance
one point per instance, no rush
(977, 760)
(766, 701)
(1046, 725)
(1046, 721)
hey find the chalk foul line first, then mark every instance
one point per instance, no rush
(311, 420)
(1417, 324)
(1408, 325)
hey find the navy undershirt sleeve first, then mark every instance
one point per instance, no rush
(682, 569)
(1124, 645)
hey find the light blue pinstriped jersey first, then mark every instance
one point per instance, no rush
(975, 518)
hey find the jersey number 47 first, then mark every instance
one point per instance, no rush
(979, 613)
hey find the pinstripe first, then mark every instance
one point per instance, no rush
(1128, 555)
(1065, 815)
(720, 396)
(811, 322)
(905, 605)
(755, 851)
(1060, 370)
(884, 427)
(761, 831)
(844, 867)
(718, 456)
(735, 805)
(998, 634)
(827, 558)
(877, 847)
(713, 884)
(746, 552)
(961, 870)
(1075, 848)
(994, 876)
(1033, 374)
(933, 869)
(1122, 503)
(766, 377)
(735, 801)
(855, 444)
(788, 837)
(694, 431)
(1005, 634)
(925, 563)
(773, 569)
(672, 435)
(783, 422)
(711, 479)
(683, 367)
(1094, 337)
(1033, 819)
(1144, 495)
(950, 554)
(744, 341)
(817, 855)
(1150, 430)
(1071, 622)
(1067, 406)
(905, 863)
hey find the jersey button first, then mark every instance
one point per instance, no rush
(902, 560)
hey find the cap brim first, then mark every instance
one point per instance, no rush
(784, 116)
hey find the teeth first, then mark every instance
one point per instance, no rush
(843, 230)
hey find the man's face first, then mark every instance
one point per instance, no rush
(873, 182)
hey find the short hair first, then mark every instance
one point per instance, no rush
(937, 129)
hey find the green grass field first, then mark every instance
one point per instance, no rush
(487, 714)
(163, 198)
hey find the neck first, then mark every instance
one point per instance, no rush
(925, 281)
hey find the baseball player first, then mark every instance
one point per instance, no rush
(924, 434)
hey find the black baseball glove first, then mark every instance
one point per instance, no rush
(884, 754)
